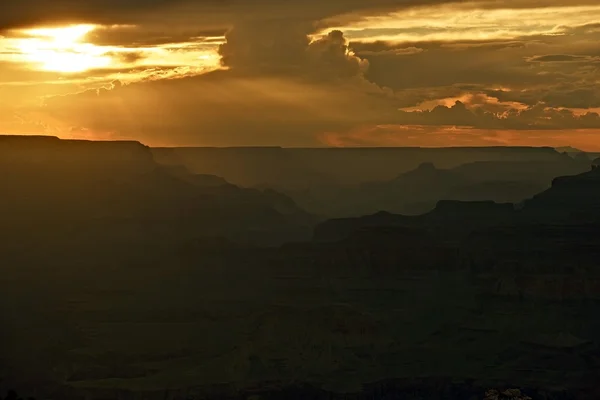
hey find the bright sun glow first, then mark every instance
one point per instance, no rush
(63, 49)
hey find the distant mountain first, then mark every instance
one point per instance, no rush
(545, 248)
(61, 184)
(571, 199)
(568, 149)
(296, 169)
(417, 191)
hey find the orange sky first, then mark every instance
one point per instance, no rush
(420, 136)
(345, 73)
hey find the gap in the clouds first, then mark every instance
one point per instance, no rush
(466, 21)
(71, 53)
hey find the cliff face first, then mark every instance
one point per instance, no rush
(469, 215)
(449, 221)
(338, 229)
(550, 262)
(47, 179)
(289, 343)
(379, 252)
(550, 250)
(73, 157)
(571, 199)
(545, 250)
(48, 165)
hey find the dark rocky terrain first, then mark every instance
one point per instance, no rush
(126, 279)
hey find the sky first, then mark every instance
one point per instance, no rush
(304, 73)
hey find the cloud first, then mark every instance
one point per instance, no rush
(133, 36)
(208, 14)
(220, 108)
(562, 58)
(330, 56)
(559, 70)
(282, 88)
(266, 47)
(127, 57)
(286, 81)
(393, 52)
(278, 48)
(35, 12)
(575, 94)
(538, 117)
(222, 14)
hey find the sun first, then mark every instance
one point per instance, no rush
(62, 49)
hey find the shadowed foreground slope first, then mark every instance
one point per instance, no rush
(146, 282)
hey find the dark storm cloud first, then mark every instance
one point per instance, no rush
(278, 48)
(516, 70)
(281, 88)
(570, 95)
(444, 64)
(537, 117)
(216, 13)
(205, 12)
(33, 12)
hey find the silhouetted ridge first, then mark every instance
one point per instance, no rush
(209, 180)
(426, 166)
(83, 182)
(568, 149)
(545, 261)
(450, 220)
(460, 209)
(29, 139)
(334, 230)
(401, 236)
(424, 171)
(73, 158)
(418, 190)
(570, 198)
(302, 168)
